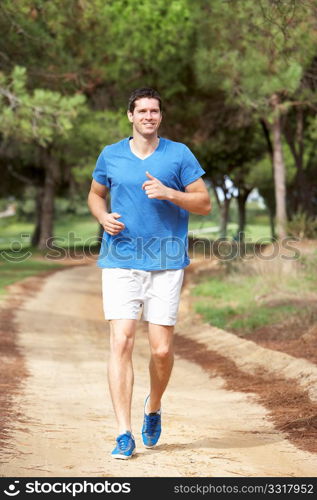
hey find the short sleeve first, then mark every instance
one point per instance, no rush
(190, 168)
(100, 171)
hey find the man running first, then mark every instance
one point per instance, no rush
(154, 183)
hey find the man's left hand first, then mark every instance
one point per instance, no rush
(155, 188)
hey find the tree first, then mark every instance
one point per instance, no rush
(228, 157)
(257, 52)
(101, 48)
(299, 131)
(37, 118)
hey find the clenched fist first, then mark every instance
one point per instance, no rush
(110, 223)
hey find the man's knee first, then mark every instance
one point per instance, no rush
(121, 340)
(122, 345)
(162, 353)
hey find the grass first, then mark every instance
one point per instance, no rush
(253, 232)
(247, 298)
(15, 232)
(84, 229)
(74, 230)
(246, 319)
(308, 263)
(18, 260)
(14, 266)
(70, 230)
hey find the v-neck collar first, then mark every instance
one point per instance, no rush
(156, 150)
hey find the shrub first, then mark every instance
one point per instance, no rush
(302, 226)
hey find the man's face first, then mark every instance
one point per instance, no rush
(146, 116)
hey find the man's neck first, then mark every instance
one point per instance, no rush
(144, 146)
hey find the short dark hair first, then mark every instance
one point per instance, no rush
(143, 92)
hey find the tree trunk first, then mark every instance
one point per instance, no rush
(279, 171)
(216, 195)
(272, 225)
(241, 200)
(47, 209)
(224, 212)
(302, 188)
(38, 215)
(266, 131)
(301, 183)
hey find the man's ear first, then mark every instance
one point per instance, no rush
(130, 116)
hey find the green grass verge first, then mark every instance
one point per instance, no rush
(74, 230)
(254, 233)
(69, 231)
(246, 319)
(19, 265)
(235, 302)
(18, 260)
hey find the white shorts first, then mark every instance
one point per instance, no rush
(148, 295)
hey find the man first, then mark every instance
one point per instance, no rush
(154, 183)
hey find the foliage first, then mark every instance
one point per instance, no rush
(67, 69)
(89, 44)
(302, 225)
(39, 116)
(255, 50)
(92, 130)
(245, 300)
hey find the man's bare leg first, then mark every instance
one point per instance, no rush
(161, 363)
(120, 370)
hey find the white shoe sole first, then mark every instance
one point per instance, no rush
(124, 457)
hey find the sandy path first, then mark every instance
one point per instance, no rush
(67, 426)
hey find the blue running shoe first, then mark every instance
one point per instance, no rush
(125, 446)
(151, 429)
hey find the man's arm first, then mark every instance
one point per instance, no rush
(98, 207)
(195, 199)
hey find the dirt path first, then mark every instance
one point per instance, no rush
(67, 427)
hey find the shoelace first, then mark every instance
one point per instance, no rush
(150, 422)
(123, 441)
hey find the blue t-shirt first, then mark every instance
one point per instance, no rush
(155, 234)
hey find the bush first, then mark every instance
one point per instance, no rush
(3, 204)
(302, 226)
(25, 209)
(75, 205)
